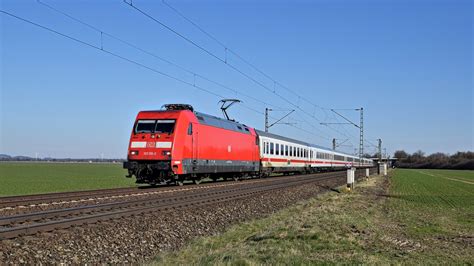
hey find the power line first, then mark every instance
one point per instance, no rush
(238, 55)
(126, 59)
(163, 59)
(219, 59)
(151, 54)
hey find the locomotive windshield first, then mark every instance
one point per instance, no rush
(155, 126)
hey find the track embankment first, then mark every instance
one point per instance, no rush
(134, 230)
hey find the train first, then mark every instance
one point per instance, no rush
(177, 143)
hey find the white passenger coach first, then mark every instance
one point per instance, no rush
(282, 154)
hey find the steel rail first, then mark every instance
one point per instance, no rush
(105, 206)
(163, 205)
(15, 201)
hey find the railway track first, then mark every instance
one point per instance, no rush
(32, 223)
(65, 197)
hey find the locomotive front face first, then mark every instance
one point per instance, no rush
(152, 146)
(152, 139)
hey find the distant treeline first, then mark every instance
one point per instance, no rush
(8, 158)
(459, 160)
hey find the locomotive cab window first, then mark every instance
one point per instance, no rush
(165, 126)
(155, 126)
(145, 126)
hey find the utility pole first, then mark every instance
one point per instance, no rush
(361, 141)
(267, 126)
(380, 149)
(266, 119)
(335, 143)
(360, 126)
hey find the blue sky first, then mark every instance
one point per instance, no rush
(408, 63)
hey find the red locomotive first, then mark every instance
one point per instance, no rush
(177, 144)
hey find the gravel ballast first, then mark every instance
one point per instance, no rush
(140, 238)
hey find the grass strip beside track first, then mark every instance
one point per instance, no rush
(34, 178)
(413, 217)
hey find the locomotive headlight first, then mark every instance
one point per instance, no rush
(134, 152)
(167, 153)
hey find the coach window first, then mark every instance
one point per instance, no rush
(266, 147)
(286, 150)
(271, 148)
(277, 149)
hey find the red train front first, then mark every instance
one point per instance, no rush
(176, 144)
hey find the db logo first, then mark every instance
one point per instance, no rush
(150, 144)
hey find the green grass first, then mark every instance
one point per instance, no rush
(443, 200)
(34, 178)
(417, 218)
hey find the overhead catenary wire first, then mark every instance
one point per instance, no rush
(104, 50)
(165, 60)
(275, 82)
(135, 7)
(227, 49)
(193, 73)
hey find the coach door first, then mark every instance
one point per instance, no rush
(195, 146)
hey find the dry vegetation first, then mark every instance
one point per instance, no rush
(413, 217)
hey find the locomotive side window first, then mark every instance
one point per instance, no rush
(145, 126)
(190, 129)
